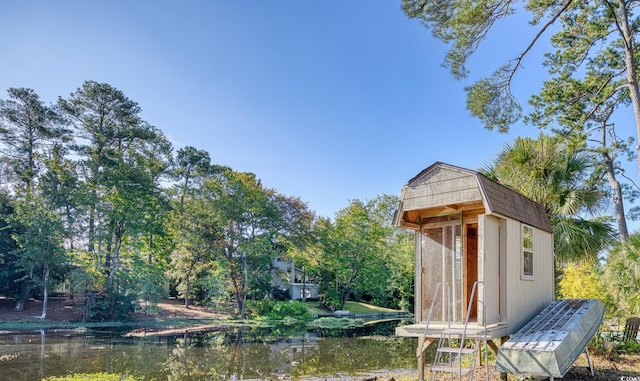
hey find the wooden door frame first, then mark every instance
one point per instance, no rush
(469, 277)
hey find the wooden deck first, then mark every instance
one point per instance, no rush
(435, 328)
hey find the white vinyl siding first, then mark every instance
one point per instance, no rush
(489, 266)
(528, 297)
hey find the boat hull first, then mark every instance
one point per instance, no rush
(550, 343)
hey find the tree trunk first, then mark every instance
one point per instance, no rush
(634, 91)
(186, 294)
(617, 197)
(112, 274)
(239, 280)
(344, 297)
(239, 292)
(188, 283)
(92, 229)
(304, 284)
(243, 287)
(69, 226)
(45, 291)
(23, 298)
(115, 260)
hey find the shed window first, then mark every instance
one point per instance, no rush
(527, 251)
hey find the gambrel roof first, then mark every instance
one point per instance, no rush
(443, 187)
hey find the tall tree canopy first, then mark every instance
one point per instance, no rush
(121, 161)
(30, 134)
(548, 172)
(595, 41)
(92, 197)
(362, 255)
(28, 128)
(622, 274)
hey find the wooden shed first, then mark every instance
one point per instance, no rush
(469, 228)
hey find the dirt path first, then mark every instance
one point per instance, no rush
(69, 310)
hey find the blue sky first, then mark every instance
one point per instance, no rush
(327, 100)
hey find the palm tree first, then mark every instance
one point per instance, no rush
(622, 274)
(549, 173)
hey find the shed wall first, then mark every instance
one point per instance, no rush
(489, 265)
(527, 297)
(417, 284)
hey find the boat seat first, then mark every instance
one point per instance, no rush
(631, 329)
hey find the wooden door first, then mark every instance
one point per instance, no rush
(471, 268)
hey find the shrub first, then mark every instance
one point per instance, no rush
(333, 322)
(278, 310)
(602, 346)
(585, 281)
(102, 307)
(92, 377)
(628, 347)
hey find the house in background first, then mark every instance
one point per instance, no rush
(469, 228)
(296, 280)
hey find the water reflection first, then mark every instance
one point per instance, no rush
(222, 354)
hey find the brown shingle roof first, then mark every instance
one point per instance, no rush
(510, 203)
(497, 198)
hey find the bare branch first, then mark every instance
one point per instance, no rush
(518, 60)
(627, 45)
(635, 185)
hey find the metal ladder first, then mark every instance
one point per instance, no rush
(454, 356)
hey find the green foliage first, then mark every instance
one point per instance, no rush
(491, 101)
(28, 128)
(333, 322)
(30, 132)
(253, 225)
(12, 277)
(464, 24)
(584, 281)
(121, 161)
(92, 377)
(628, 347)
(40, 249)
(550, 173)
(361, 255)
(212, 290)
(86, 204)
(593, 70)
(100, 306)
(622, 275)
(351, 255)
(603, 346)
(116, 306)
(148, 280)
(278, 310)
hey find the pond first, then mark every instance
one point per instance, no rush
(226, 353)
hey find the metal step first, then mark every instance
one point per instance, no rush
(464, 351)
(451, 369)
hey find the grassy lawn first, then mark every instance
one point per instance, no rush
(353, 307)
(314, 309)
